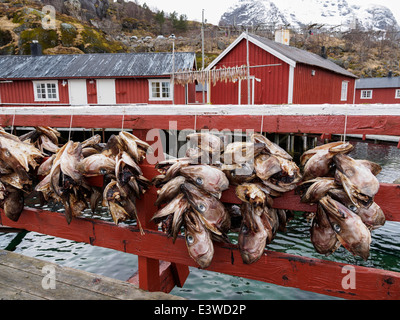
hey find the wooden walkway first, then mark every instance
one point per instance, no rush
(26, 278)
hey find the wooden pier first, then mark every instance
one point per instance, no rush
(26, 278)
(153, 246)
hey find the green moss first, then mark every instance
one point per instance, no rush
(95, 42)
(47, 39)
(68, 34)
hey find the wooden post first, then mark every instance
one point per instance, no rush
(149, 272)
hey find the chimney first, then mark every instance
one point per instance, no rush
(282, 36)
(323, 52)
(390, 74)
(36, 48)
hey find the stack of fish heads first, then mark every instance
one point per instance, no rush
(189, 199)
(343, 189)
(63, 182)
(260, 221)
(65, 175)
(18, 161)
(119, 162)
(261, 171)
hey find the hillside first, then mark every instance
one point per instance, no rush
(90, 26)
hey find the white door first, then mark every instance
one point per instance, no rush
(106, 91)
(77, 92)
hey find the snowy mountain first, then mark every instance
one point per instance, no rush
(300, 13)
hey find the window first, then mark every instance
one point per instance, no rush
(366, 94)
(46, 90)
(397, 96)
(345, 85)
(160, 90)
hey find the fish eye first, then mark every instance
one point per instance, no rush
(199, 181)
(202, 207)
(244, 228)
(189, 239)
(336, 227)
(353, 208)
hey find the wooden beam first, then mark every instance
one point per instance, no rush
(279, 268)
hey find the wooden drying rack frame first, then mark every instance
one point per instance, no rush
(162, 264)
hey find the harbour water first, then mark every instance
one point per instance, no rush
(203, 284)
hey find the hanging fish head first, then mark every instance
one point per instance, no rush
(372, 216)
(210, 209)
(198, 240)
(357, 179)
(253, 235)
(323, 237)
(206, 177)
(207, 142)
(349, 228)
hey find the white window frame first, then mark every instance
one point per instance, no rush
(397, 94)
(344, 91)
(366, 94)
(46, 88)
(160, 81)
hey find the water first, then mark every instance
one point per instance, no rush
(202, 284)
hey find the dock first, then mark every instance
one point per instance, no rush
(27, 278)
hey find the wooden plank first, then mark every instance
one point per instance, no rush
(279, 268)
(361, 119)
(381, 124)
(388, 198)
(154, 109)
(23, 278)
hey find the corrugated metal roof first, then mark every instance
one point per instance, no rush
(302, 56)
(94, 65)
(373, 83)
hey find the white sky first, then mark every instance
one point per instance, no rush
(214, 9)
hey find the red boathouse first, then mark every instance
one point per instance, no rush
(280, 74)
(378, 90)
(97, 79)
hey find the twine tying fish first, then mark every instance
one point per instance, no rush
(70, 125)
(13, 121)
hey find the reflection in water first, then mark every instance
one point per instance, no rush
(202, 284)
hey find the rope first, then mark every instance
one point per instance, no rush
(13, 121)
(345, 125)
(123, 119)
(262, 124)
(70, 125)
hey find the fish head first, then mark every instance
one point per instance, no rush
(356, 193)
(198, 240)
(348, 226)
(211, 211)
(207, 142)
(270, 147)
(357, 176)
(206, 177)
(323, 237)
(252, 235)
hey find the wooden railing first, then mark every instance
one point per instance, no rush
(152, 247)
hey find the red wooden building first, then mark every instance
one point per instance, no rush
(104, 79)
(378, 90)
(280, 74)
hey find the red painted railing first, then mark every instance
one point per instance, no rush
(309, 274)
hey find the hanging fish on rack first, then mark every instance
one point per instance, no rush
(343, 189)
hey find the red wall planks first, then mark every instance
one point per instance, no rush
(322, 87)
